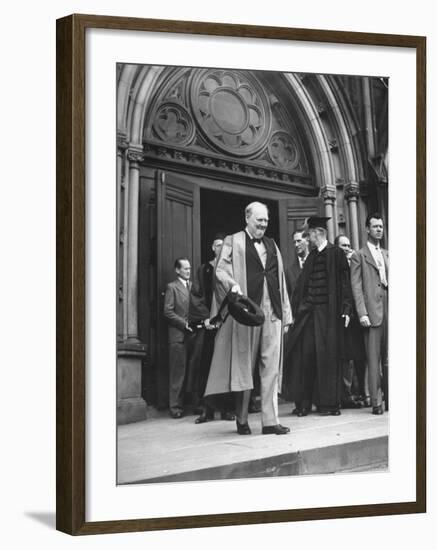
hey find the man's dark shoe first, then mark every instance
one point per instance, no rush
(378, 410)
(330, 412)
(203, 418)
(243, 429)
(365, 401)
(227, 416)
(176, 414)
(351, 405)
(278, 429)
(302, 412)
(254, 407)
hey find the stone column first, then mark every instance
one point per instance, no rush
(329, 195)
(131, 407)
(135, 156)
(351, 193)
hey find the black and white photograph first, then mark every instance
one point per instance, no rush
(252, 274)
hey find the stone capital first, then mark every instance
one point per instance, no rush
(329, 194)
(135, 154)
(122, 142)
(352, 190)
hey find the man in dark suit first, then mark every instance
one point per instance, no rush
(354, 355)
(369, 277)
(301, 245)
(176, 304)
(203, 339)
(322, 305)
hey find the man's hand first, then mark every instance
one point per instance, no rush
(208, 325)
(365, 321)
(346, 320)
(188, 328)
(237, 289)
(286, 328)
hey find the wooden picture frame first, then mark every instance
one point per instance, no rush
(71, 274)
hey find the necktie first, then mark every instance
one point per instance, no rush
(380, 264)
(256, 241)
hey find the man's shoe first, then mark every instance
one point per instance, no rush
(176, 414)
(378, 410)
(254, 408)
(351, 405)
(365, 401)
(203, 418)
(278, 429)
(243, 429)
(330, 412)
(227, 416)
(302, 412)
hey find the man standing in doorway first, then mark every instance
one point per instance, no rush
(176, 303)
(251, 264)
(301, 245)
(323, 301)
(203, 340)
(354, 355)
(369, 276)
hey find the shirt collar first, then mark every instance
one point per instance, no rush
(322, 246)
(373, 246)
(184, 282)
(249, 235)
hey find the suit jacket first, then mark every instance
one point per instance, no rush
(201, 294)
(366, 284)
(176, 304)
(292, 273)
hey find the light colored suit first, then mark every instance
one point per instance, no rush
(176, 304)
(371, 299)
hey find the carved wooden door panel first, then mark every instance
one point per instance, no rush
(292, 214)
(178, 234)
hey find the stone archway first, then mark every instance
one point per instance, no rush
(313, 122)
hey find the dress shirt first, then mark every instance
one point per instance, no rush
(322, 246)
(302, 260)
(379, 260)
(185, 282)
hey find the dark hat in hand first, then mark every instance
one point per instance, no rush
(244, 310)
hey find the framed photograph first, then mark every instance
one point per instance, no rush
(235, 204)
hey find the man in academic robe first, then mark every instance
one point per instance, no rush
(176, 304)
(369, 276)
(323, 302)
(251, 264)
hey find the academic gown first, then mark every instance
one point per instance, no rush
(330, 344)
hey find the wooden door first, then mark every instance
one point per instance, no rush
(178, 234)
(292, 214)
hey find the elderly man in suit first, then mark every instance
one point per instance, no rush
(369, 278)
(176, 305)
(251, 264)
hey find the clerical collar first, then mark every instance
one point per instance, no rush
(322, 246)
